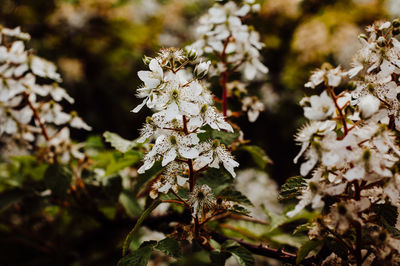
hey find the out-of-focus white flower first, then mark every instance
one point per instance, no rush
(212, 154)
(253, 106)
(322, 107)
(368, 105)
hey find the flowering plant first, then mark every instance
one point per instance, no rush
(351, 154)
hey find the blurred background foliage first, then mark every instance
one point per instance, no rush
(98, 46)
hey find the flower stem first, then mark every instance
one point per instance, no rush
(192, 179)
(357, 196)
(340, 112)
(37, 117)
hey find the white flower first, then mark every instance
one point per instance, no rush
(368, 105)
(209, 116)
(212, 154)
(51, 112)
(201, 198)
(322, 107)
(152, 79)
(16, 32)
(308, 131)
(169, 147)
(253, 106)
(78, 122)
(316, 78)
(202, 68)
(44, 68)
(332, 76)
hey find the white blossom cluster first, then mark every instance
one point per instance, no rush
(349, 145)
(30, 100)
(182, 106)
(236, 47)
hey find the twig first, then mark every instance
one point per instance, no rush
(37, 117)
(264, 250)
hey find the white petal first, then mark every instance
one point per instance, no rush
(169, 157)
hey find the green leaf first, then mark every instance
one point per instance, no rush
(306, 248)
(242, 255)
(219, 258)
(131, 234)
(239, 210)
(258, 154)
(9, 197)
(94, 142)
(127, 160)
(130, 204)
(216, 179)
(231, 194)
(58, 179)
(224, 137)
(118, 142)
(302, 228)
(139, 257)
(386, 213)
(170, 247)
(292, 188)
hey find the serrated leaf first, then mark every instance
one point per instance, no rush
(307, 247)
(231, 194)
(139, 257)
(170, 247)
(239, 210)
(130, 204)
(392, 230)
(258, 154)
(242, 255)
(131, 234)
(118, 142)
(218, 258)
(292, 188)
(216, 179)
(58, 179)
(224, 137)
(9, 197)
(386, 213)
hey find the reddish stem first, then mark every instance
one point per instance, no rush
(37, 117)
(340, 111)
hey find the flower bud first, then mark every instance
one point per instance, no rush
(146, 60)
(191, 54)
(381, 41)
(396, 22)
(202, 69)
(363, 36)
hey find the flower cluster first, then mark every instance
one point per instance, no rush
(236, 46)
(350, 146)
(182, 107)
(30, 101)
